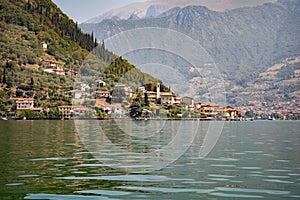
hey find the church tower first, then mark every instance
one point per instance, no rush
(158, 91)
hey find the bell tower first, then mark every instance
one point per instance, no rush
(158, 91)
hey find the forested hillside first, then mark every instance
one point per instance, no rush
(33, 33)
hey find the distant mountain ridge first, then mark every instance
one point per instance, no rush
(244, 39)
(155, 8)
(243, 42)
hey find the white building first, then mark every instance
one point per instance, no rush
(44, 45)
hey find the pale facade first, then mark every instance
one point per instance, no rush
(25, 104)
(72, 111)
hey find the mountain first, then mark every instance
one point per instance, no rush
(243, 42)
(155, 8)
(41, 51)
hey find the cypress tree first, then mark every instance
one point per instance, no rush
(146, 100)
(4, 75)
(95, 43)
(31, 83)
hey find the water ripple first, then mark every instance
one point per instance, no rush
(28, 176)
(221, 176)
(277, 181)
(50, 159)
(143, 178)
(246, 190)
(91, 165)
(64, 197)
(165, 190)
(14, 184)
(220, 194)
(103, 192)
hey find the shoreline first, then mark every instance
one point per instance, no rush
(139, 119)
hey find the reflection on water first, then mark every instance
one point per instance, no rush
(137, 146)
(48, 160)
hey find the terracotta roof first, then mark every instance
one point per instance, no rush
(74, 91)
(22, 99)
(82, 108)
(102, 91)
(65, 106)
(50, 61)
(102, 103)
(34, 109)
(59, 70)
(117, 105)
(166, 93)
(74, 107)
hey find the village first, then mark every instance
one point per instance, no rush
(104, 104)
(102, 99)
(160, 104)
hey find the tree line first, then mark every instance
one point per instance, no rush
(44, 14)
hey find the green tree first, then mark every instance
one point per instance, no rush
(4, 75)
(29, 114)
(101, 114)
(55, 113)
(146, 100)
(250, 114)
(136, 108)
(31, 83)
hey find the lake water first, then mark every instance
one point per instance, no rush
(51, 160)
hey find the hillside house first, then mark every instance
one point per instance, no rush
(104, 105)
(103, 94)
(44, 46)
(198, 105)
(118, 110)
(151, 96)
(177, 100)
(25, 104)
(188, 101)
(59, 72)
(53, 67)
(100, 83)
(72, 111)
(126, 88)
(51, 64)
(142, 89)
(71, 73)
(76, 94)
(230, 112)
(84, 86)
(209, 110)
(166, 98)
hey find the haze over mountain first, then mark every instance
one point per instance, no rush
(243, 42)
(156, 7)
(244, 39)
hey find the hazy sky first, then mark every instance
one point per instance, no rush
(82, 10)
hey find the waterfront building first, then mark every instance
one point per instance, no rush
(72, 111)
(25, 104)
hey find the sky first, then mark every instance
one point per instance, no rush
(82, 10)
